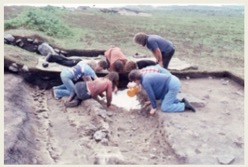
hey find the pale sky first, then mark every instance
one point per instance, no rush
(106, 5)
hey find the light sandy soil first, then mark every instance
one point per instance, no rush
(40, 130)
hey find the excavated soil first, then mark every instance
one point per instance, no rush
(40, 130)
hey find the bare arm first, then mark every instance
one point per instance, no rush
(109, 94)
(158, 55)
(115, 90)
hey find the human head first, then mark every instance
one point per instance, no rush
(140, 38)
(92, 64)
(118, 66)
(129, 66)
(101, 65)
(114, 78)
(135, 76)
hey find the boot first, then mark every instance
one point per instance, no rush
(188, 106)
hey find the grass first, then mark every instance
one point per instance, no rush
(210, 37)
(23, 56)
(44, 20)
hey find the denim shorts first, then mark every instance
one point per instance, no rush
(81, 91)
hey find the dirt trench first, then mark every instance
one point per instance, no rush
(131, 138)
(40, 130)
(65, 136)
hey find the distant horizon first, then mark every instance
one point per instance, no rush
(118, 5)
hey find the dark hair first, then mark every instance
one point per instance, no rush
(118, 66)
(134, 75)
(104, 64)
(114, 78)
(129, 66)
(140, 38)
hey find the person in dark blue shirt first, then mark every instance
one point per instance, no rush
(161, 86)
(161, 48)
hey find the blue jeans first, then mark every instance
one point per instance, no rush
(170, 103)
(68, 87)
(81, 91)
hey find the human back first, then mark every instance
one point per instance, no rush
(114, 55)
(99, 86)
(106, 84)
(81, 69)
(156, 41)
(156, 83)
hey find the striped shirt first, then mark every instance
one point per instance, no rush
(82, 69)
(148, 70)
(154, 69)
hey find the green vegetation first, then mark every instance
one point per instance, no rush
(44, 20)
(210, 37)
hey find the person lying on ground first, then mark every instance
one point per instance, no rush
(160, 86)
(81, 71)
(116, 59)
(91, 89)
(161, 48)
(54, 58)
(131, 65)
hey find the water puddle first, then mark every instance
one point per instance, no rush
(122, 100)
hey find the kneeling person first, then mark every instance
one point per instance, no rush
(91, 89)
(161, 86)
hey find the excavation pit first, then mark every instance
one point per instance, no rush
(40, 130)
(214, 134)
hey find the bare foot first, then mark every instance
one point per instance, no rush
(152, 111)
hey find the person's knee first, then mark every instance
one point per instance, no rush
(167, 108)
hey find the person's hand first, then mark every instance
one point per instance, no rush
(112, 107)
(131, 84)
(152, 111)
(161, 64)
(115, 90)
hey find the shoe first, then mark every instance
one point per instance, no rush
(54, 95)
(45, 64)
(72, 103)
(188, 106)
